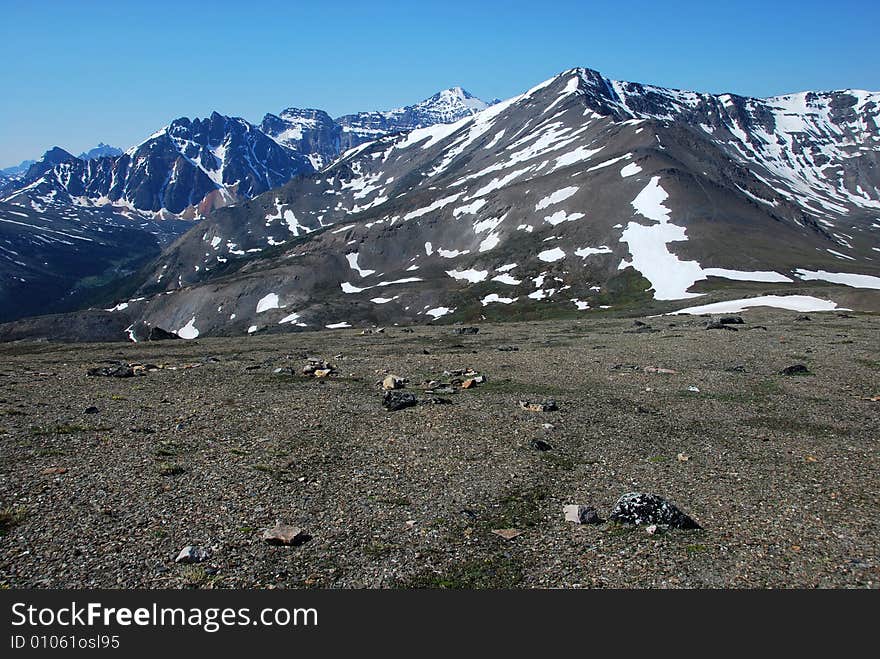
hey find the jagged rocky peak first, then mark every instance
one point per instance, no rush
(100, 151)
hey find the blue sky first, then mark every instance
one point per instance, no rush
(78, 71)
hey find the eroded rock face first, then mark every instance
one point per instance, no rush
(642, 508)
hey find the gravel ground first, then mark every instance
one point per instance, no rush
(780, 471)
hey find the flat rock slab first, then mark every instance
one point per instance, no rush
(285, 534)
(507, 534)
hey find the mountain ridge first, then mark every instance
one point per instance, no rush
(582, 194)
(578, 195)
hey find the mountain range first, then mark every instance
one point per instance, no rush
(177, 175)
(582, 195)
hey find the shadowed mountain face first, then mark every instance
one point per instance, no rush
(54, 259)
(583, 193)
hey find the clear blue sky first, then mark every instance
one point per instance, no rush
(78, 71)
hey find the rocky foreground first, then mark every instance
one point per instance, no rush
(489, 459)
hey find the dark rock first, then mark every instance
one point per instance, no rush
(395, 400)
(642, 508)
(739, 368)
(803, 318)
(796, 369)
(114, 371)
(731, 320)
(540, 445)
(465, 330)
(159, 334)
(507, 349)
(91, 410)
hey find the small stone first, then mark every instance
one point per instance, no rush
(54, 471)
(644, 509)
(683, 457)
(803, 318)
(657, 369)
(548, 405)
(581, 514)
(322, 372)
(469, 384)
(465, 330)
(651, 529)
(540, 445)
(507, 534)
(91, 410)
(796, 369)
(285, 534)
(392, 382)
(694, 389)
(192, 554)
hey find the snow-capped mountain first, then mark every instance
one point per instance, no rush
(181, 172)
(100, 151)
(188, 168)
(185, 169)
(315, 133)
(312, 133)
(582, 194)
(444, 107)
(16, 171)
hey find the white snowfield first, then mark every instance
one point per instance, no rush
(494, 297)
(802, 303)
(556, 197)
(352, 259)
(189, 330)
(438, 312)
(471, 275)
(856, 281)
(551, 255)
(270, 301)
(670, 276)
